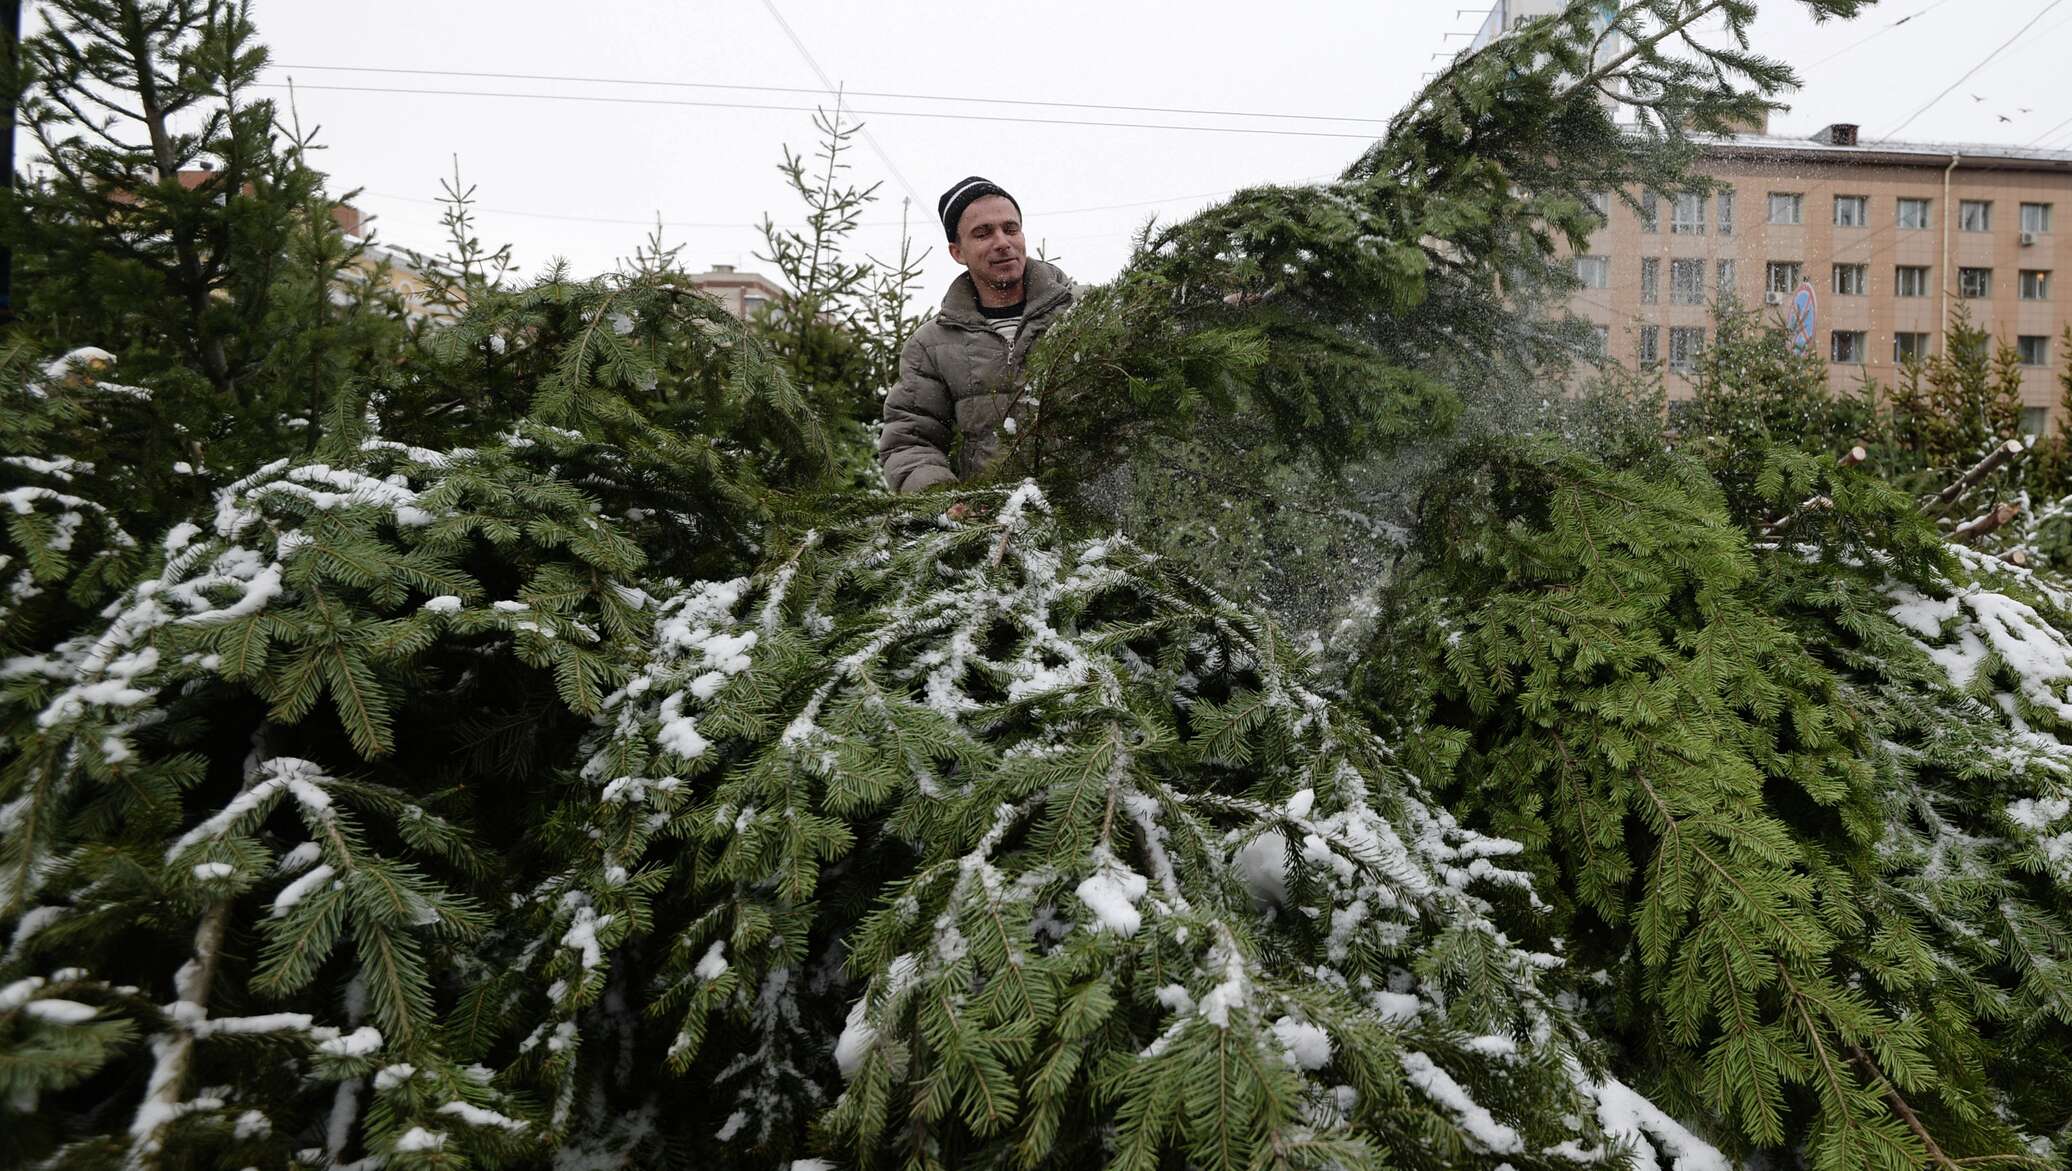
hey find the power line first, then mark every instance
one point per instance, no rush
(474, 93)
(644, 223)
(868, 137)
(1874, 36)
(854, 93)
(2044, 11)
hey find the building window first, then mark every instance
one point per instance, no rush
(1913, 213)
(1687, 214)
(1846, 346)
(1975, 282)
(1909, 347)
(1687, 282)
(1852, 211)
(1910, 280)
(1685, 342)
(1595, 272)
(2035, 349)
(1725, 280)
(2036, 218)
(1725, 201)
(1975, 215)
(750, 303)
(1787, 207)
(1647, 342)
(1650, 213)
(2034, 420)
(1781, 276)
(1650, 280)
(2035, 284)
(1852, 280)
(1601, 203)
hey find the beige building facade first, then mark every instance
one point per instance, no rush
(1890, 238)
(741, 292)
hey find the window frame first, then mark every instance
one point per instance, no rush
(1723, 201)
(1679, 224)
(1900, 281)
(2043, 211)
(1862, 273)
(1925, 341)
(1647, 345)
(1862, 204)
(1694, 294)
(1797, 205)
(1796, 270)
(1694, 348)
(1927, 209)
(1857, 347)
(1982, 222)
(1975, 283)
(2041, 283)
(2040, 342)
(1650, 280)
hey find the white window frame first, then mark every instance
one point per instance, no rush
(1602, 265)
(1793, 270)
(1859, 211)
(1975, 284)
(2037, 279)
(1724, 200)
(1910, 280)
(1687, 292)
(1692, 338)
(1861, 279)
(1926, 219)
(1922, 343)
(1794, 207)
(1974, 215)
(1650, 280)
(1687, 213)
(2040, 342)
(2036, 218)
(1855, 347)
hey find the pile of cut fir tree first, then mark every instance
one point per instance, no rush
(493, 742)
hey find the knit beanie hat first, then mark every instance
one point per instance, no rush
(953, 202)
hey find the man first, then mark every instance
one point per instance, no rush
(962, 372)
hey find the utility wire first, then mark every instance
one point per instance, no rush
(868, 137)
(650, 222)
(854, 93)
(1874, 36)
(474, 93)
(1983, 62)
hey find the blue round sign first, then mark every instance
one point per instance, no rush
(1803, 304)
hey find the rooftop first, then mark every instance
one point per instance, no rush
(1992, 155)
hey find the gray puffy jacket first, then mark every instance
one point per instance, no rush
(958, 381)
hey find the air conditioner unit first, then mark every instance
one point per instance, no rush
(1773, 298)
(2028, 238)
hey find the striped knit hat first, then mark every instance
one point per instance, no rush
(953, 202)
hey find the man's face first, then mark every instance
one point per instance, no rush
(989, 242)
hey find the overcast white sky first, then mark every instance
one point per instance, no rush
(710, 171)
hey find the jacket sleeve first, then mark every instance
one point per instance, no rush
(914, 447)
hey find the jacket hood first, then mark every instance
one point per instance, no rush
(1044, 285)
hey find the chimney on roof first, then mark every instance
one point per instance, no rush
(1838, 134)
(722, 268)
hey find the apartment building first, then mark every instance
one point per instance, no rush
(741, 292)
(1890, 239)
